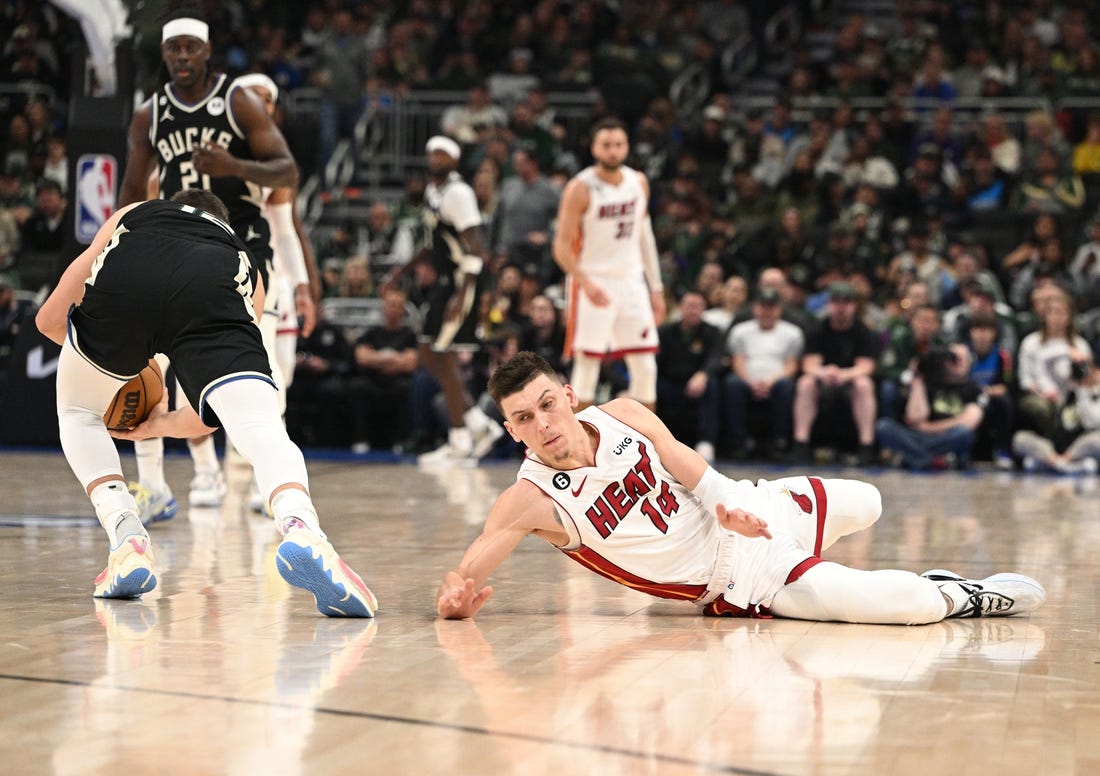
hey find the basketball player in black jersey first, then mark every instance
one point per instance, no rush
(198, 133)
(172, 277)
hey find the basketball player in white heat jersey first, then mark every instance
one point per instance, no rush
(604, 243)
(612, 489)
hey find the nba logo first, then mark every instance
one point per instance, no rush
(96, 175)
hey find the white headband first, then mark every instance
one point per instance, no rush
(193, 27)
(258, 79)
(444, 144)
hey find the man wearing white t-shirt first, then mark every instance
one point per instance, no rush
(764, 355)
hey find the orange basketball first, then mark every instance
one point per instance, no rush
(135, 400)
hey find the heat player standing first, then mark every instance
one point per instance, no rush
(604, 243)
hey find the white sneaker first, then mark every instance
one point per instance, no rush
(307, 561)
(207, 489)
(997, 596)
(1030, 463)
(458, 447)
(706, 450)
(153, 505)
(129, 571)
(485, 438)
(1083, 466)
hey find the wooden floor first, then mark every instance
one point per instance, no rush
(226, 670)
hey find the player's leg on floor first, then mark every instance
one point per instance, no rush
(249, 411)
(585, 378)
(154, 497)
(830, 592)
(643, 378)
(83, 395)
(851, 506)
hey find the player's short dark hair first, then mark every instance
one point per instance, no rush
(182, 9)
(514, 374)
(203, 200)
(608, 123)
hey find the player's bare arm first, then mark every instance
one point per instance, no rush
(274, 166)
(574, 201)
(683, 463)
(141, 161)
(651, 263)
(519, 511)
(53, 316)
(472, 241)
(182, 423)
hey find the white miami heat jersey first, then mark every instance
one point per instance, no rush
(610, 243)
(627, 518)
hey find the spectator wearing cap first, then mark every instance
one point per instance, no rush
(942, 414)
(688, 363)
(837, 369)
(764, 354)
(980, 296)
(983, 187)
(710, 146)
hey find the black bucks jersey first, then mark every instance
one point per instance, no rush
(177, 128)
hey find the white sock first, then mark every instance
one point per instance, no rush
(293, 508)
(150, 463)
(204, 454)
(117, 511)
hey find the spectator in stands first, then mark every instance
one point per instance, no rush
(525, 215)
(16, 194)
(732, 296)
(930, 268)
(461, 121)
(932, 83)
(837, 366)
(56, 166)
(991, 369)
(14, 315)
(385, 243)
(687, 367)
(980, 299)
(983, 188)
(1049, 266)
(385, 359)
(764, 354)
(1004, 149)
(318, 404)
(909, 338)
(340, 69)
(1086, 154)
(1075, 446)
(42, 232)
(1046, 366)
(356, 281)
(1042, 134)
(543, 333)
(1085, 268)
(966, 267)
(942, 413)
(1047, 189)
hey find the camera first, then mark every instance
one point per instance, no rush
(1078, 370)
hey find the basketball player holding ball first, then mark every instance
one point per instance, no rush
(172, 277)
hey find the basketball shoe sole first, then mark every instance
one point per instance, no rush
(129, 571)
(307, 561)
(1000, 595)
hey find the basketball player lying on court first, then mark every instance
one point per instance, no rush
(172, 277)
(612, 489)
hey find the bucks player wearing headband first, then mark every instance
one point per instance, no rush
(457, 254)
(198, 132)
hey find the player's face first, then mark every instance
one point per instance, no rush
(541, 417)
(610, 148)
(440, 163)
(185, 57)
(265, 98)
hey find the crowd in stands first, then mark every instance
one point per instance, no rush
(902, 282)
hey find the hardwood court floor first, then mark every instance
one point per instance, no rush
(226, 670)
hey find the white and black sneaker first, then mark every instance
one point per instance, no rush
(997, 596)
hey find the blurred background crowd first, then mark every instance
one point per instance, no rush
(850, 199)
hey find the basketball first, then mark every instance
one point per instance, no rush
(135, 400)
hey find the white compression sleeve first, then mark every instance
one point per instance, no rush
(290, 262)
(83, 394)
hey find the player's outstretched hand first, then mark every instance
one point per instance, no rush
(742, 522)
(459, 602)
